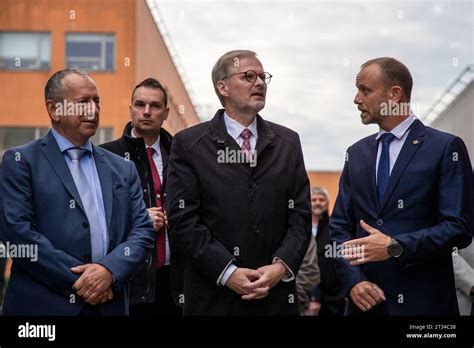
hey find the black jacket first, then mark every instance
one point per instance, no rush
(223, 212)
(143, 281)
(332, 295)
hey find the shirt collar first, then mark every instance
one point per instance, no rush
(155, 145)
(400, 130)
(64, 144)
(234, 128)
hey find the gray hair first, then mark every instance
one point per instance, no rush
(320, 191)
(224, 65)
(54, 88)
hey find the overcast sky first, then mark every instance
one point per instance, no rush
(314, 49)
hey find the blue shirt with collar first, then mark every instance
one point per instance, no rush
(88, 166)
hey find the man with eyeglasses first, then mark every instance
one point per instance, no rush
(239, 227)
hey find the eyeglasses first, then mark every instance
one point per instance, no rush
(251, 76)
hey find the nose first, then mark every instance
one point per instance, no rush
(91, 110)
(357, 99)
(147, 110)
(259, 81)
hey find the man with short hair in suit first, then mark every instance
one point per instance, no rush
(148, 145)
(82, 207)
(238, 203)
(404, 203)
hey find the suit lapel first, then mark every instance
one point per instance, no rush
(219, 132)
(105, 178)
(410, 147)
(56, 159)
(265, 135)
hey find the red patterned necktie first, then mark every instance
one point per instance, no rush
(246, 134)
(160, 236)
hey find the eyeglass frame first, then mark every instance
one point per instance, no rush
(256, 75)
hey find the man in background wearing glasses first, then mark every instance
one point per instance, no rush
(239, 227)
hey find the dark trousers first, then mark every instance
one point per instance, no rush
(164, 303)
(89, 311)
(326, 311)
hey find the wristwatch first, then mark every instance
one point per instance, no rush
(395, 249)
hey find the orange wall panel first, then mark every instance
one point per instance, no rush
(21, 92)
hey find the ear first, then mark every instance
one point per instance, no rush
(222, 88)
(130, 111)
(396, 94)
(55, 110)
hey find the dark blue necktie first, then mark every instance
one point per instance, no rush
(383, 172)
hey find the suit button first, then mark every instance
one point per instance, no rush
(253, 185)
(85, 225)
(87, 258)
(256, 229)
(379, 222)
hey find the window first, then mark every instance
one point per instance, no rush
(103, 135)
(15, 136)
(25, 51)
(91, 52)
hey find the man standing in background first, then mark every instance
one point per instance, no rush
(148, 145)
(327, 299)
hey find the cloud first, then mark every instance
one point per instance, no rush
(314, 50)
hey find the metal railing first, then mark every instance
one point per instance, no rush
(160, 23)
(450, 94)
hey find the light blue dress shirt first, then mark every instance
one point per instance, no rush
(88, 166)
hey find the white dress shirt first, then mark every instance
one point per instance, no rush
(158, 159)
(234, 128)
(401, 133)
(314, 230)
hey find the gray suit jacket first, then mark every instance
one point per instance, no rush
(308, 275)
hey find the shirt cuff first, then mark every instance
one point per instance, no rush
(226, 273)
(289, 276)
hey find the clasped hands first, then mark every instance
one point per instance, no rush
(94, 284)
(255, 284)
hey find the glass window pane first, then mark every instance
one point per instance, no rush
(25, 51)
(86, 51)
(102, 135)
(110, 56)
(83, 49)
(11, 137)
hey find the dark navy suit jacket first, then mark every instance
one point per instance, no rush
(40, 205)
(427, 207)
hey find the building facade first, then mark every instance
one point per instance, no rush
(117, 41)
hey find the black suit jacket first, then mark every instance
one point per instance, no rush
(332, 296)
(143, 281)
(232, 212)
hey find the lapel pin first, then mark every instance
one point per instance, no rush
(415, 141)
